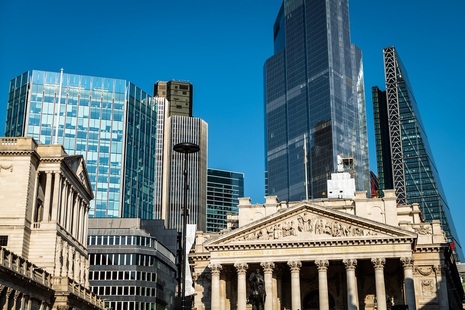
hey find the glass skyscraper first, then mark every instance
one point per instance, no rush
(405, 160)
(111, 122)
(314, 96)
(224, 188)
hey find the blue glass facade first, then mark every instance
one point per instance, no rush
(104, 119)
(417, 179)
(314, 94)
(224, 188)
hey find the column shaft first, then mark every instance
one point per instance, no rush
(47, 200)
(268, 277)
(215, 291)
(56, 196)
(407, 263)
(322, 266)
(295, 284)
(379, 282)
(241, 286)
(352, 295)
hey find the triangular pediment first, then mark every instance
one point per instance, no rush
(309, 222)
(77, 164)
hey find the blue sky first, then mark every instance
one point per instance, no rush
(221, 46)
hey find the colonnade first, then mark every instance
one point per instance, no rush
(322, 266)
(65, 206)
(11, 299)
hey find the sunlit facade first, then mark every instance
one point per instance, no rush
(405, 160)
(111, 122)
(224, 188)
(314, 95)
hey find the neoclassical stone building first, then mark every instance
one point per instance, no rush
(361, 253)
(44, 203)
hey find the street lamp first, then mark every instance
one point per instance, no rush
(185, 148)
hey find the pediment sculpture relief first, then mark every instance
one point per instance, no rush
(308, 225)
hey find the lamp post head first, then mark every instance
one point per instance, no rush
(186, 147)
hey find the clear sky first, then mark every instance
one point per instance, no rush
(221, 46)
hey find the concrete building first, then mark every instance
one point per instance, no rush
(360, 253)
(169, 187)
(132, 263)
(45, 198)
(180, 94)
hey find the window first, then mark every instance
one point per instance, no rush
(3, 240)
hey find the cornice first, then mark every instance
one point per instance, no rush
(308, 243)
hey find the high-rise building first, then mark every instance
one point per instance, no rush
(314, 101)
(405, 160)
(132, 263)
(224, 188)
(180, 94)
(169, 186)
(111, 122)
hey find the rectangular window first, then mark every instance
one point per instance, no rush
(3, 240)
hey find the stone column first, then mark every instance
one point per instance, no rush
(69, 208)
(64, 203)
(277, 292)
(241, 286)
(268, 275)
(379, 263)
(7, 298)
(81, 221)
(23, 301)
(74, 228)
(215, 290)
(47, 197)
(407, 263)
(352, 294)
(441, 283)
(295, 284)
(64, 260)
(56, 196)
(71, 251)
(15, 299)
(322, 266)
(85, 223)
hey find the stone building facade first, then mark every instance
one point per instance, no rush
(360, 253)
(45, 196)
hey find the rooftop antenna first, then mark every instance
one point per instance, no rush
(58, 108)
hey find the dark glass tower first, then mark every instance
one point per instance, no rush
(224, 188)
(111, 122)
(314, 95)
(405, 160)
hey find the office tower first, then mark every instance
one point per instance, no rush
(405, 161)
(169, 186)
(314, 101)
(111, 122)
(45, 196)
(132, 263)
(224, 188)
(180, 95)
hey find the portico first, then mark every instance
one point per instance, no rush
(313, 257)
